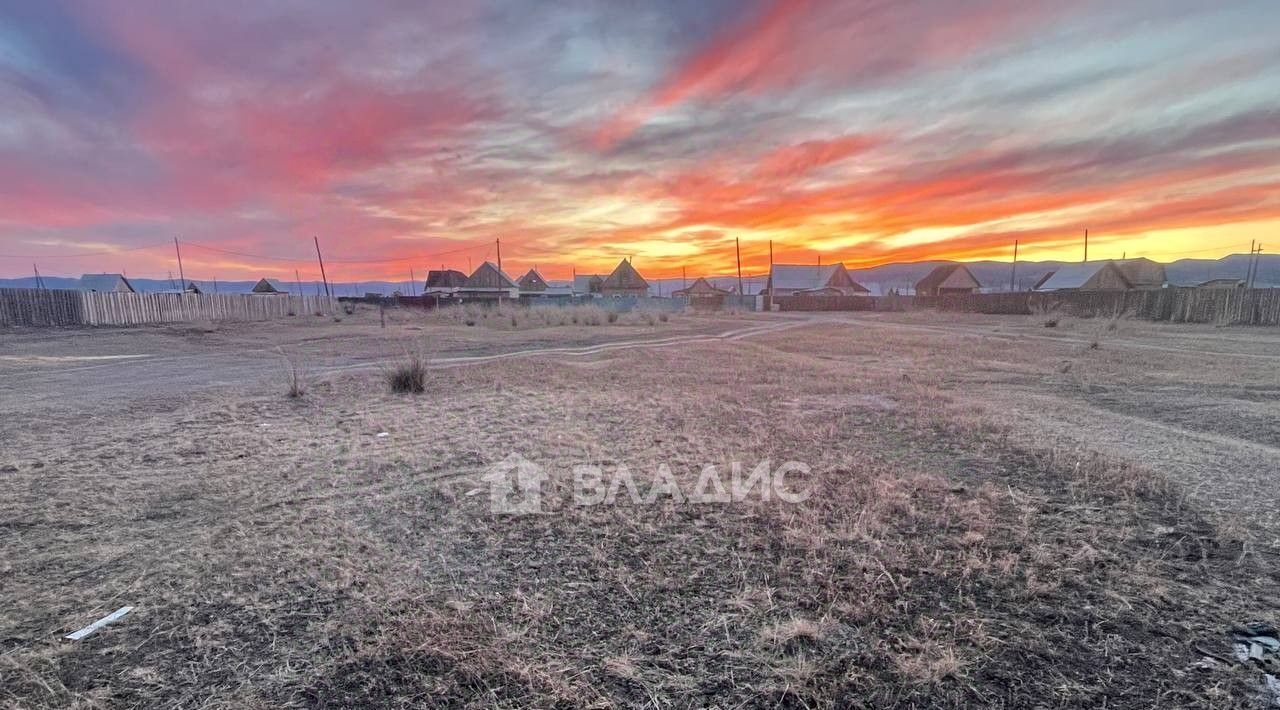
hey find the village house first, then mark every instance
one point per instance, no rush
(811, 279)
(948, 279)
(534, 288)
(269, 287)
(1143, 273)
(624, 281)
(105, 283)
(488, 283)
(587, 285)
(702, 295)
(1088, 276)
(1107, 275)
(532, 282)
(444, 281)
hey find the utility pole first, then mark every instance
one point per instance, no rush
(498, 242)
(738, 251)
(1086, 245)
(768, 306)
(683, 283)
(1248, 265)
(298, 278)
(1255, 255)
(1013, 275)
(39, 281)
(413, 283)
(324, 277)
(181, 275)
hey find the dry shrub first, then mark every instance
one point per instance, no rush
(613, 316)
(408, 376)
(295, 378)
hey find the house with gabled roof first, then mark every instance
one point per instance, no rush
(532, 282)
(488, 283)
(105, 283)
(1086, 276)
(1143, 273)
(444, 281)
(269, 287)
(811, 279)
(535, 289)
(624, 281)
(702, 295)
(948, 279)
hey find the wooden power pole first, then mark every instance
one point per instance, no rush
(738, 251)
(181, 275)
(768, 305)
(1013, 275)
(323, 277)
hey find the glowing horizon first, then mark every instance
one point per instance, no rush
(580, 134)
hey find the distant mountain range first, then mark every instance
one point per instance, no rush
(880, 279)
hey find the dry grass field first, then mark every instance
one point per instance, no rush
(1002, 514)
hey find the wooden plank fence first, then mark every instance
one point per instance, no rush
(1259, 306)
(44, 307)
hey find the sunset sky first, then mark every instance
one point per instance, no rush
(412, 134)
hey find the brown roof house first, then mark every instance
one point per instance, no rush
(948, 279)
(701, 295)
(488, 283)
(624, 281)
(827, 279)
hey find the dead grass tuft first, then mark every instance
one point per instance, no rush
(295, 378)
(408, 376)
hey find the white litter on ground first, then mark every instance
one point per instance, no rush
(381, 434)
(118, 613)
